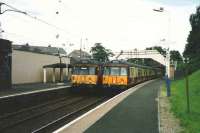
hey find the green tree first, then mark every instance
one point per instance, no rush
(192, 48)
(159, 49)
(175, 56)
(100, 53)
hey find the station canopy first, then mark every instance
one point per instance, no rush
(57, 65)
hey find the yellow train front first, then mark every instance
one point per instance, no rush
(115, 74)
(85, 74)
(122, 75)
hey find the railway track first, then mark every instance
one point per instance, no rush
(50, 127)
(10, 119)
(47, 116)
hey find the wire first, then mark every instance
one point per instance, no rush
(33, 17)
(9, 6)
(40, 20)
(45, 22)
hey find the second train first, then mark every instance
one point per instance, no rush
(114, 74)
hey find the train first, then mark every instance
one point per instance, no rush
(117, 74)
(86, 73)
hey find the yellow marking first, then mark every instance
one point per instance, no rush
(115, 80)
(84, 79)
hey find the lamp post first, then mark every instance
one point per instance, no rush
(161, 10)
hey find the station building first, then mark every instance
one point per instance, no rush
(28, 62)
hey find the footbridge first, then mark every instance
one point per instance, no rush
(145, 54)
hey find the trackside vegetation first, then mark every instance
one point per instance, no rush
(189, 121)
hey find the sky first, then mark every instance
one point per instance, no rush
(117, 24)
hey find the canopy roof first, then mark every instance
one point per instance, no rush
(57, 65)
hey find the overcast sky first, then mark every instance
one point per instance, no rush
(117, 24)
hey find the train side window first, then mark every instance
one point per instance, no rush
(135, 72)
(133, 69)
(123, 71)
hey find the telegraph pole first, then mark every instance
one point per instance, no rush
(186, 61)
(80, 48)
(0, 22)
(0, 7)
(1, 31)
(10, 8)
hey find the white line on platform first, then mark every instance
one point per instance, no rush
(32, 92)
(129, 91)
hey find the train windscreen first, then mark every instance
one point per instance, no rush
(117, 71)
(84, 70)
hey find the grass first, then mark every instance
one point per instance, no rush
(189, 121)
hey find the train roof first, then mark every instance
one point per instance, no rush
(124, 63)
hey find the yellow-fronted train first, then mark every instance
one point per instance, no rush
(121, 74)
(86, 73)
(114, 74)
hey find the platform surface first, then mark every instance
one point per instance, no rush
(138, 113)
(31, 88)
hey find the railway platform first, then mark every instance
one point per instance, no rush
(136, 112)
(24, 89)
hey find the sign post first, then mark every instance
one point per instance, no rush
(187, 85)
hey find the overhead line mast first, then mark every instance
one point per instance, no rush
(27, 14)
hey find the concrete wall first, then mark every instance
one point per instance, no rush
(27, 67)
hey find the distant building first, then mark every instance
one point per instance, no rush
(76, 55)
(39, 49)
(28, 62)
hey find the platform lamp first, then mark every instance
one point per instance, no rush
(161, 10)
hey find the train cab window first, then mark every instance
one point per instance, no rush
(92, 70)
(106, 71)
(115, 71)
(83, 71)
(75, 70)
(123, 71)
